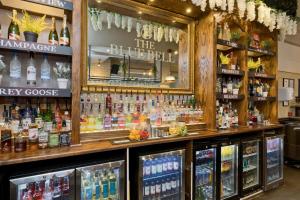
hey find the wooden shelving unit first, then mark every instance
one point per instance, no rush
(206, 67)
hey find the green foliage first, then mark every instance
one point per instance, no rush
(32, 24)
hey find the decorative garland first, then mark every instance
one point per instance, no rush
(144, 29)
(267, 13)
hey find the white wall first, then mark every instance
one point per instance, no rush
(289, 67)
(288, 58)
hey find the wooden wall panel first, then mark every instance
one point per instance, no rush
(205, 68)
(76, 64)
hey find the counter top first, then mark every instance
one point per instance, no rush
(104, 146)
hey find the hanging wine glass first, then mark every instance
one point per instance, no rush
(94, 18)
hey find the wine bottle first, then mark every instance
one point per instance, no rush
(64, 34)
(31, 71)
(53, 37)
(13, 29)
(45, 69)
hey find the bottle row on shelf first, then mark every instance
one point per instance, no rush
(257, 88)
(226, 116)
(100, 184)
(16, 77)
(32, 27)
(139, 111)
(228, 85)
(30, 128)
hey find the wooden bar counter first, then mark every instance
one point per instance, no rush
(106, 146)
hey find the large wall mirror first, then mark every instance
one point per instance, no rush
(134, 45)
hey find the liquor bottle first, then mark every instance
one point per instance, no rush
(15, 67)
(53, 37)
(66, 123)
(0, 31)
(47, 195)
(43, 138)
(224, 86)
(108, 103)
(99, 118)
(56, 188)
(37, 195)
(112, 185)
(64, 39)
(114, 118)
(31, 71)
(20, 140)
(13, 29)
(104, 185)
(229, 86)
(45, 69)
(27, 118)
(91, 124)
(128, 116)
(153, 114)
(6, 140)
(33, 136)
(65, 188)
(57, 116)
(144, 112)
(158, 113)
(107, 120)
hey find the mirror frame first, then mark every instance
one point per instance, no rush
(149, 10)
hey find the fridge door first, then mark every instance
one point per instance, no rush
(54, 185)
(162, 176)
(205, 173)
(251, 164)
(229, 171)
(274, 159)
(101, 181)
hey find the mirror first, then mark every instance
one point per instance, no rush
(128, 48)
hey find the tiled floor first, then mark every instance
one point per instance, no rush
(289, 191)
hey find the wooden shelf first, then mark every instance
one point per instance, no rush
(261, 75)
(230, 44)
(34, 47)
(230, 96)
(230, 72)
(257, 99)
(34, 92)
(255, 52)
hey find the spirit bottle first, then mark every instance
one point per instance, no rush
(64, 39)
(104, 186)
(37, 195)
(6, 140)
(114, 119)
(45, 69)
(13, 29)
(99, 118)
(107, 120)
(57, 116)
(43, 138)
(91, 118)
(47, 193)
(27, 118)
(31, 71)
(112, 185)
(20, 140)
(158, 113)
(15, 67)
(229, 86)
(108, 103)
(33, 135)
(53, 37)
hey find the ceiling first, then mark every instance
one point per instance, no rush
(181, 6)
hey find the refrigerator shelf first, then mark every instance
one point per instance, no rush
(161, 176)
(273, 150)
(272, 166)
(249, 186)
(227, 160)
(250, 168)
(250, 155)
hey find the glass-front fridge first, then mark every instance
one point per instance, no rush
(229, 171)
(59, 185)
(251, 165)
(161, 176)
(101, 181)
(273, 161)
(205, 163)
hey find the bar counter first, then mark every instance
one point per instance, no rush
(105, 146)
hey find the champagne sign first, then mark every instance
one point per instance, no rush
(144, 49)
(35, 47)
(34, 92)
(55, 3)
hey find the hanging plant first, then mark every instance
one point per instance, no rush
(242, 5)
(251, 10)
(212, 4)
(230, 6)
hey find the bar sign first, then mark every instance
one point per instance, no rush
(34, 92)
(55, 3)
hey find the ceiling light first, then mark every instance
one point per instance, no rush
(140, 12)
(188, 10)
(175, 52)
(151, 0)
(99, 63)
(98, 1)
(173, 21)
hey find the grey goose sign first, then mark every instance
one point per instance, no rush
(34, 92)
(35, 47)
(67, 5)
